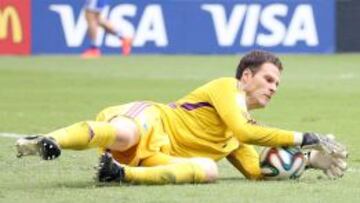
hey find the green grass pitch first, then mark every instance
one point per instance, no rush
(39, 94)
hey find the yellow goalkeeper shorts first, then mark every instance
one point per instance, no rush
(153, 139)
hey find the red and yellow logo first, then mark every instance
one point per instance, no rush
(10, 16)
(15, 21)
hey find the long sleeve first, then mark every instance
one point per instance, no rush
(229, 103)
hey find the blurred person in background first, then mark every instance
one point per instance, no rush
(94, 20)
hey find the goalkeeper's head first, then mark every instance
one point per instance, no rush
(259, 76)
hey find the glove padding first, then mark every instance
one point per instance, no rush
(333, 166)
(326, 144)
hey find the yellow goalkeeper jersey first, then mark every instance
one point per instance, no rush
(212, 120)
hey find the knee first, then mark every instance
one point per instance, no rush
(209, 167)
(127, 134)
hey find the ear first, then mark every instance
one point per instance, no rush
(246, 75)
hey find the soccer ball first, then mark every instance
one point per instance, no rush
(282, 163)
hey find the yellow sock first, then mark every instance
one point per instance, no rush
(86, 134)
(186, 172)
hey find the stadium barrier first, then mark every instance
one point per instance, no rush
(172, 26)
(347, 26)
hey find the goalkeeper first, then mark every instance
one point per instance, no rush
(151, 143)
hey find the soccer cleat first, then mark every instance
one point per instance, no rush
(91, 53)
(126, 45)
(109, 170)
(45, 147)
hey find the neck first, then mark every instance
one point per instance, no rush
(250, 103)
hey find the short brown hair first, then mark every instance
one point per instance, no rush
(255, 59)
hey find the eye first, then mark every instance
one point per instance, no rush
(269, 79)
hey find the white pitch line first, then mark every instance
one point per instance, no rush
(11, 135)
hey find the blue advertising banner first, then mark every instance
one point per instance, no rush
(190, 26)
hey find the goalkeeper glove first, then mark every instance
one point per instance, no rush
(333, 167)
(326, 144)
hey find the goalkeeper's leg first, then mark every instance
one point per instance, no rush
(120, 134)
(176, 171)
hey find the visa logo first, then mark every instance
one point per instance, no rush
(150, 29)
(264, 25)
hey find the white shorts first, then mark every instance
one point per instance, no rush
(95, 5)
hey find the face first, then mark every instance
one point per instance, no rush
(260, 86)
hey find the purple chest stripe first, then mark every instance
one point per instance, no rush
(193, 106)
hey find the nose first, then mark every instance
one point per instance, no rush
(273, 88)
